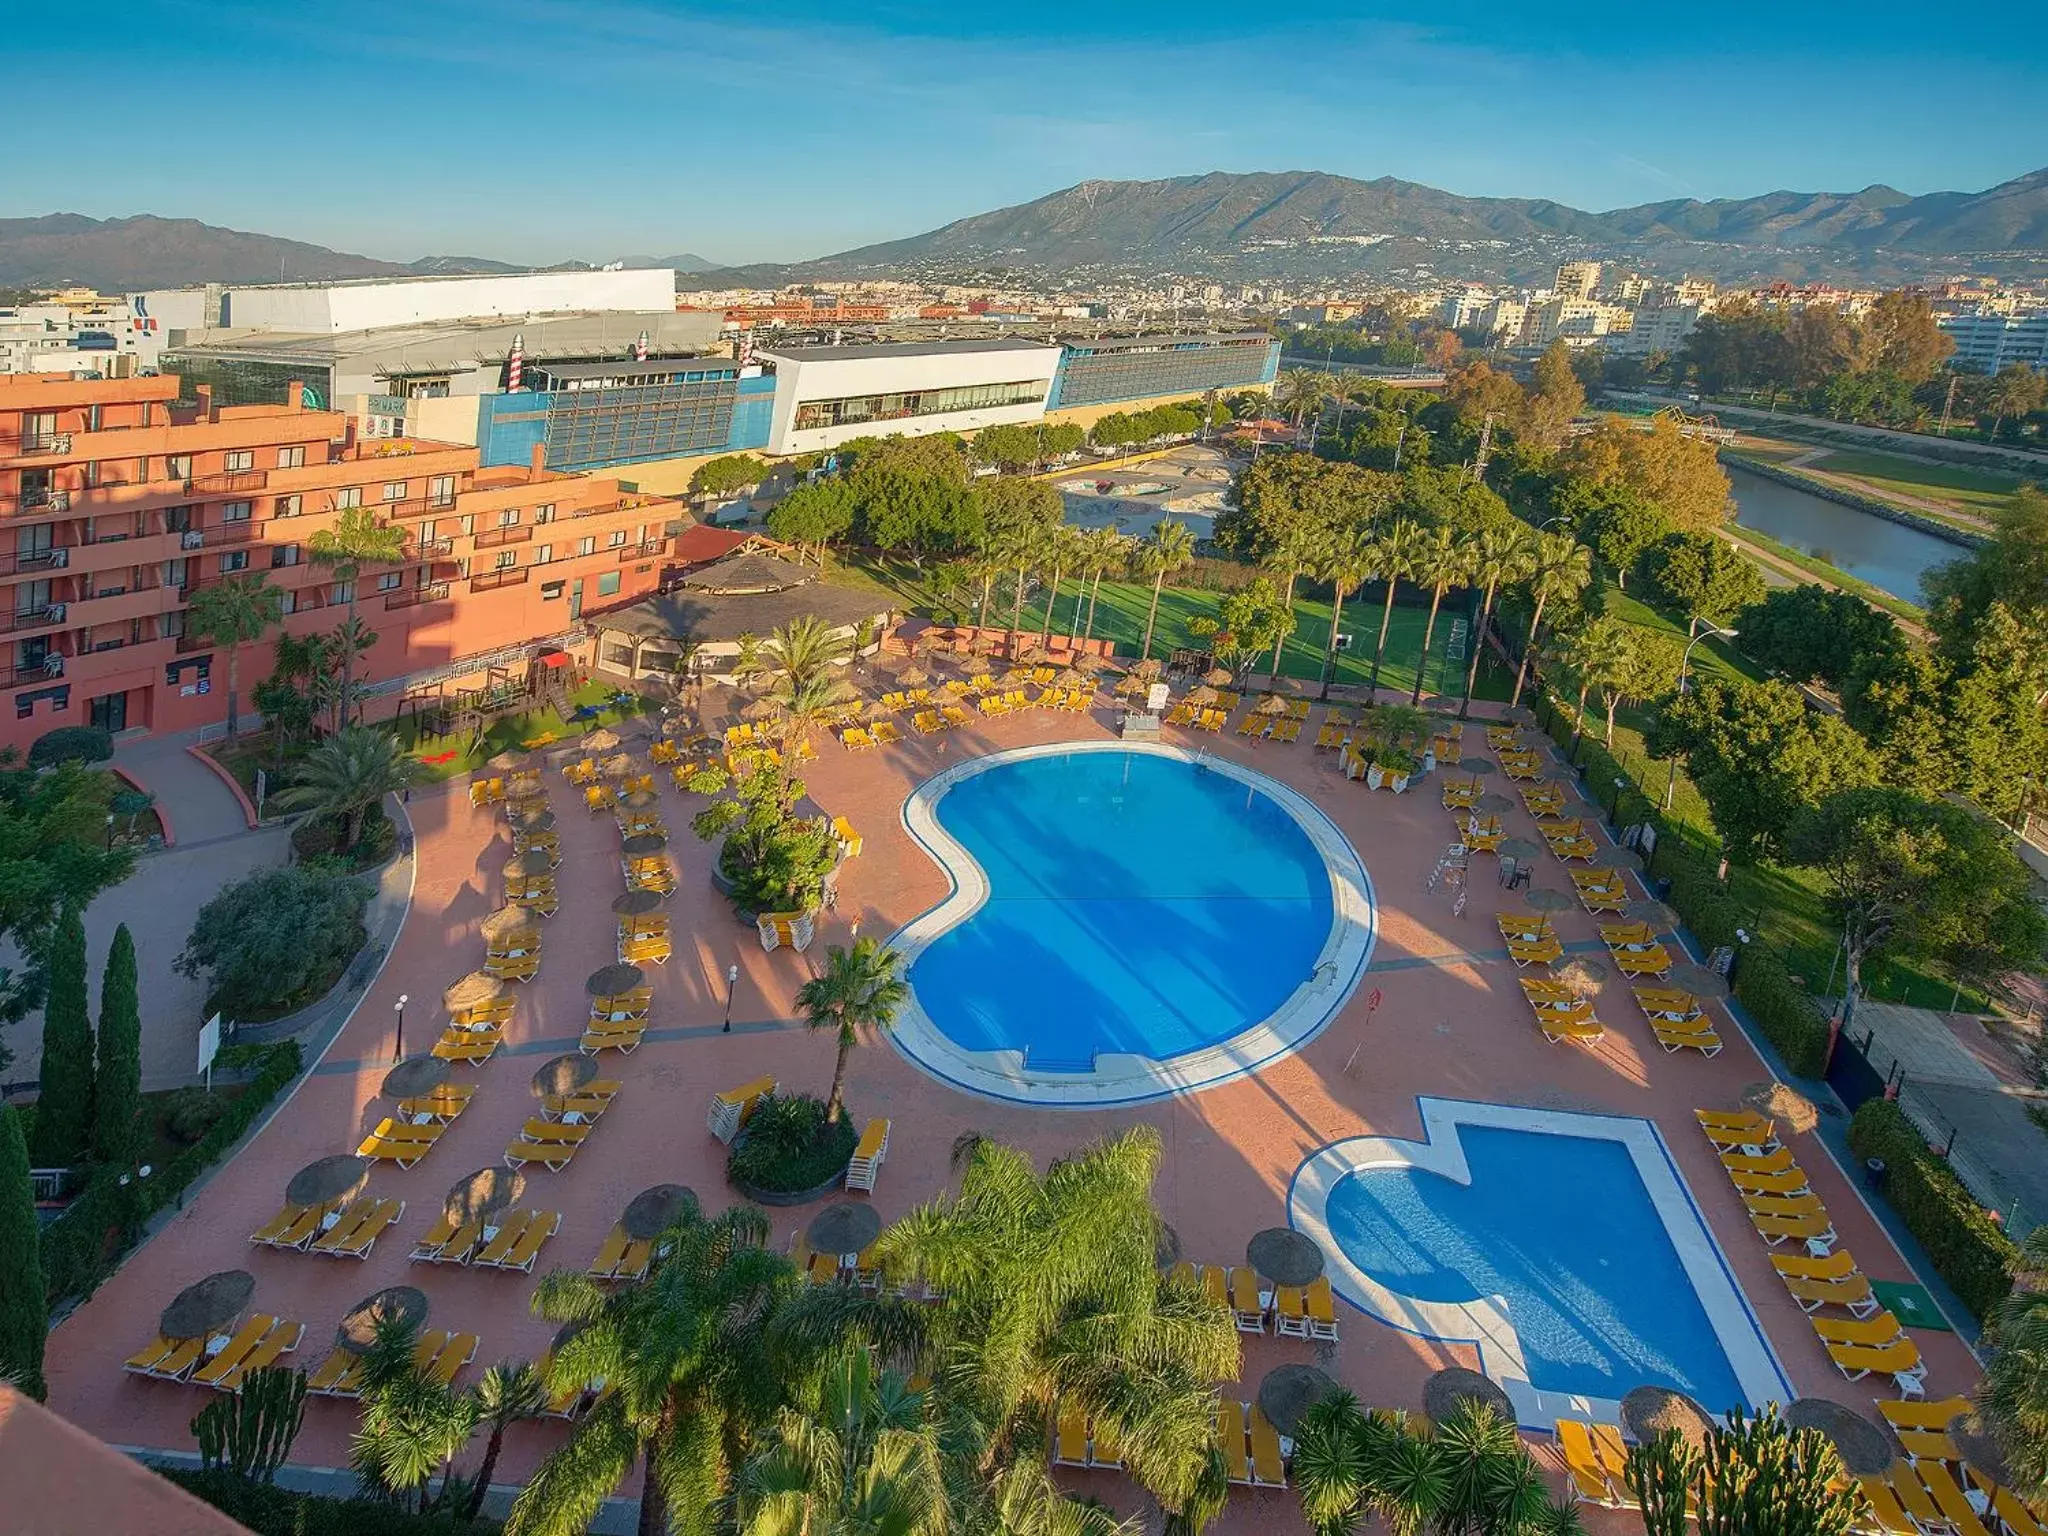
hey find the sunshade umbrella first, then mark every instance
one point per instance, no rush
(1698, 980)
(843, 1228)
(483, 1193)
(208, 1304)
(1073, 677)
(1284, 1256)
(1518, 716)
(1090, 663)
(644, 845)
(1152, 666)
(1219, 677)
(1287, 1392)
(1580, 971)
(1783, 1103)
(1201, 697)
(1648, 1411)
(1493, 802)
(395, 1303)
(637, 903)
(642, 800)
(1547, 901)
(506, 761)
(653, 1211)
(761, 709)
(1032, 651)
(528, 865)
(527, 790)
(413, 1077)
(1442, 1393)
(537, 820)
(1271, 704)
(508, 923)
(1130, 685)
(618, 766)
(601, 740)
(1864, 1448)
(1653, 913)
(1517, 848)
(473, 991)
(611, 980)
(1478, 767)
(566, 1073)
(1622, 858)
(877, 711)
(1980, 1448)
(329, 1181)
(913, 677)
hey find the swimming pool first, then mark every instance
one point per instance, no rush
(1565, 1246)
(1125, 922)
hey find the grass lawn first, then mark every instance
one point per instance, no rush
(448, 757)
(1967, 489)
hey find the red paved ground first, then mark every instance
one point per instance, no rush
(1454, 1027)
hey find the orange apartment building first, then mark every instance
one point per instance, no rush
(116, 503)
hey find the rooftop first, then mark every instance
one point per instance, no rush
(904, 349)
(444, 345)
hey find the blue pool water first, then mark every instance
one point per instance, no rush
(1562, 1228)
(1137, 903)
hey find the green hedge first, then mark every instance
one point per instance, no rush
(84, 1245)
(1970, 1250)
(272, 1511)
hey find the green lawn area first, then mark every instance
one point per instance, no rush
(1968, 489)
(448, 757)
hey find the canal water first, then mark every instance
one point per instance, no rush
(1888, 555)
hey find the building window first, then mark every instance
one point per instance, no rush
(236, 460)
(394, 490)
(283, 555)
(544, 554)
(467, 523)
(390, 581)
(507, 558)
(608, 584)
(509, 518)
(348, 496)
(178, 467)
(344, 591)
(927, 402)
(586, 546)
(616, 539)
(293, 457)
(287, 602)
(441, 491)
(235, 511)
(234, 560)
(544, 513)
(550, 591)
(288, 506)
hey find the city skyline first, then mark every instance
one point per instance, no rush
(539, 132)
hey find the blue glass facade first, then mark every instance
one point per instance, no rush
(1112, 369)
(602, 423)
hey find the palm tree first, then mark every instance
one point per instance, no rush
(1296, 548)
(805, 706)
(1345, 390)
(357, 539)
(233, 613)
(861, 987)
(1023, 549)
(863, 1462)
(1345, 561)
(1298, 390)
(411, 1425)
(804, 648)
(1171, 548)
(506, 1394)
(1600, 656)
(1557, 569)
(1498, 555)
(348, 774)
(1442, 559)
(694, 1364)
(1394, 554)
(1062, 549)
(1107, 550)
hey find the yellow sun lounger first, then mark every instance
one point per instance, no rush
(282, 1339)
(356, 1233)
(551, 1155)
(1817, 1232)
(1882, 1513)
(1938, 1414)
(1231, 1436)
(1706, 1041)
(1582, 1463)
(1784, 1184)
(1247, 1307)
(1928, 1445)
(1268, 1469)
(237, 1349)
(1784, 1205)
(1737, 1130)
(461, 1044)
(1584, 1030)
(1070, 1437)
(1957, 1512)
(1874, 1332)
(395, 1143)
(1322, 1309)
(291, 1227)
(605, 1264)
(1899, 1360)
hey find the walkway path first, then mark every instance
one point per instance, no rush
(200, 807)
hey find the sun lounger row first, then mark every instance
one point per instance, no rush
(1677, 1020)
(1561, 1012)
(508, 1240)
(1600, 890)
(1295, 1311)
(348, 1233)
(1081, 1442)
(403, 1142)
(868, 1154)
(1596, 1460)
(440, 1355)
(1543, 799)
(1636, 949)
(620, 1257)
(1531, 939)
(550, 1143)
(472, 1043)
(1458, 794)
(1521, 765)
(1196, 718)
(729, 1110)
(1503, 737)
(219, 1362)
(1251, 1446)
(511, 967)
(880, 734)
(1568, 839)
(1922, 1495)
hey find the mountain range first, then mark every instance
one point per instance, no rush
(1261, 225)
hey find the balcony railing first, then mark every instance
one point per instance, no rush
(35, 442)
(49, 670)
(241, 531)
(412, 597)
(187, 644)
(231, 480)
(53, 559)
(490, 581)
(433, 549)
(49, 500)
(647, 551)
(494, 538)
(48, 616)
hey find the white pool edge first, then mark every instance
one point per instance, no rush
(1484, 1323)
(1128, 1079)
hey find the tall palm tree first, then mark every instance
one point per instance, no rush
(1394, 553)
(695, 1367)
(1346, 562)
(357, 539)
(805, 706)
(1024, 549)
(1442, 559)
(806, 647)
(1345, 390)
(986, 566)
(347, 775)
(1062, 549)
(1498, 555)
(1599, 656)
(862, 1462)
(1107, 550)
(1171, 548)
(233, 613)
(506, 1394)
(1298, 390)
(860, 988)
(1557, 569)
(411, 1425)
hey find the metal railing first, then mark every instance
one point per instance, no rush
(411, 597)
(55, 558)
(494, 538)
(229, 480)
(490, 581)
(647, 551)
(50, 500)
(241, 531)
(48, 616)
(49, 670)
(35, 442)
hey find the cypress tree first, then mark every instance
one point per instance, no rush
(24, 1309)
(64, 1112)
(117, 1090)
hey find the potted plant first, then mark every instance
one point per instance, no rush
(1397, 765)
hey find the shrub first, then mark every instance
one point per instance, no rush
(270, 1510)
(790, 1145)
(71, 744)
(276, 940)
(190, 1113)
(319, 837)
(1969, 1248)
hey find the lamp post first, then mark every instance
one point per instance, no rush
(732, 981)
(1697, 631)
(398, 1039)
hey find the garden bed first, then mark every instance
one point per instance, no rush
(789, 1153)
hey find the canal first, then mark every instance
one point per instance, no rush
(1888, 555)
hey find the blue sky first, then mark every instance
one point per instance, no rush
(539, 130)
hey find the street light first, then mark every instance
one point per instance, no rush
(1697, 631)
(732, 980)
(398, 1040)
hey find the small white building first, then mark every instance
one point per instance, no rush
(102, 338)
(825, 396)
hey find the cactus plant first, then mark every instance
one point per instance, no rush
(1660, 1474)
(250, 1432)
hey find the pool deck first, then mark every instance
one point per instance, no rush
(1449, 1022)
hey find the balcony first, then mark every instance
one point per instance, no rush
(22, 620)
(35, 561)
(187, 644)
(412, 597)
(241, 531)
(497, 538)
(49, 670)
(28, 444)
(647, 551)
(433, 549)
(490, 581)
(232, 480)
(29, 502)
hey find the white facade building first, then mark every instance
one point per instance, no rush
(104, 338)
(1656, 330)
(378, 303)
(1987, 341)
(825, 396)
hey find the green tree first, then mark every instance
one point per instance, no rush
(1558, 569)
(1346, 560)
(1063, 552)
(24, 1304)
(117, 1088)
(2015, 390)
(776, 860)
(64, 1108)
(1654, 659)
(2013, 1400)
(1629, 468)
(1904, 338)
(726, 474)
(1702, 576)
(1395, 554)
(1250, 621)
(859, 988)
(234, 612)
(249, 1432)
(1499, 556)
(1554, 401)
(1598, 656)
(812, 515)
(411, 1426)
(1621, 525)
(1009, 446)
(1807, 634)
(1443, 559)
(1103, 550)
(507, 1393)
(270, 937)
(356, 540)
(347, 776)
(1171, 548)
(695, 1367)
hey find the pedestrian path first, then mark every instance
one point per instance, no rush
(191, 796)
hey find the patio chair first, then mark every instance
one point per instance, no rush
(289, 1228)
(513, 967)
(443, 1104)
(473, 1045)
(237, 1349)
(356, 1234)
(1247, 1306)
(551, 1155)
(868, 1155)
(605, 1264)
(395, 1143)
(1232, 1435)
(282, 1339)
(1268, 1469)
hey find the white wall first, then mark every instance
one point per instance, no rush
(836, 378)
(337, 307)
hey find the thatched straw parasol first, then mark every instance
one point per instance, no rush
(642, 800)
(414, 1076)
(1272, 705)
(528, 865)
(395, 1303)
(1580, 971)
(483, 1194)
(1865, 1449)
(1444, 1391)
(508, 923)
(564, 1074)
(1132, 686)
(1015, 676)
(1493, 803)
(539, 819)
(1654, 913)
(762, 709)
(329, 1181)
(1478, 767)
(1698, 980)
(1218, 677)
(1287, 1392)
(1779, 1102)
(602, 739)
(1032, 651)
(653, 1211)
(1518, 716)
(1648, 1411)
(644, 845)
(1149, 668)
(473, 991)
(913, 677)
(1540, 900)
(1284, 1256)
(636, 903)
(877, 711)
(1201, 697)
(611, 980)
(207, 1304)
(1981, 1449)
(1089, 662)
(1074, 677)
(507, 760)
(619, 765)
(843, 1228)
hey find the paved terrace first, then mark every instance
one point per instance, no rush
(1451, 1023)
